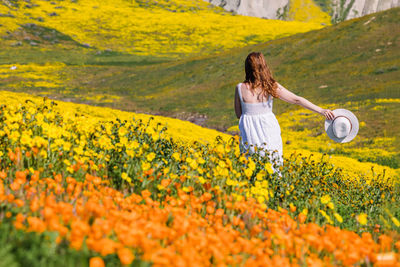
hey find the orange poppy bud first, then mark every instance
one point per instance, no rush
(34, 205)
(35, 150)
(10, 197)
(36, 225)
(18, 225)
(148, 172)
(70, 188)
(255, 230)
(11, 155)
(15, 186)
(172, 202)
(58, 178)
(146, 193)
(210, 210)
(126, 256)
(96, 262)
(70, 180)
(20, 176)
(35, 176)
(219, 212)
(165, 182)
(19, 202)
(20, 218)
(235, 221)
(207, 196)
(3, 174)
(97, 180)
(48, 212)
(302, 217)
(184, 197)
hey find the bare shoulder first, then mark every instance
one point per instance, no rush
(280, 86)
(281, 89)
(240, 86)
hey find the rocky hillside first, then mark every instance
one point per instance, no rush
(338, 10)
(257, 8)
(357, 8)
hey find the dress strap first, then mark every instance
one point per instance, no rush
(269, 101)
(240, 92)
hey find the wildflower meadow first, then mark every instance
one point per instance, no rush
(108, 183)
(83, 185)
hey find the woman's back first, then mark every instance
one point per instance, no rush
(253, 102)
(252, 96)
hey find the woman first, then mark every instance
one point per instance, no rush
(253, 105)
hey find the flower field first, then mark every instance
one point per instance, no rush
(94, 186)
(307, 10)
(157, 28)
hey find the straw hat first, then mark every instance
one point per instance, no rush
(344, 127)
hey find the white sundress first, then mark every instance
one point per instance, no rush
(259, 127)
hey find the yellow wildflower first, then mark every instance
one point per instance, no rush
(305, 211)
(252, 165)
(151, 156)
(395, 221)
(160, 187)
(338, 217)
(362, 219)
(176, 156)
(145, 166)
(325, 199)
(248, 172)
(327, 217)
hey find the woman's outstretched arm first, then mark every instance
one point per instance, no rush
(289, 97)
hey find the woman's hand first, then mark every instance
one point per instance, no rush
(328, 114)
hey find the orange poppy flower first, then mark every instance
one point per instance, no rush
(126, 256)
(96, 262)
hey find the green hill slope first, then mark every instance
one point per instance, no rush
(164, 28)
(354, 64)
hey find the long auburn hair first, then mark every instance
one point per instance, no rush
(258, 74)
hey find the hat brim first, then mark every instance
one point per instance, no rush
(354, 125)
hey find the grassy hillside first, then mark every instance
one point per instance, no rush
(156, 28)
(353, 65)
